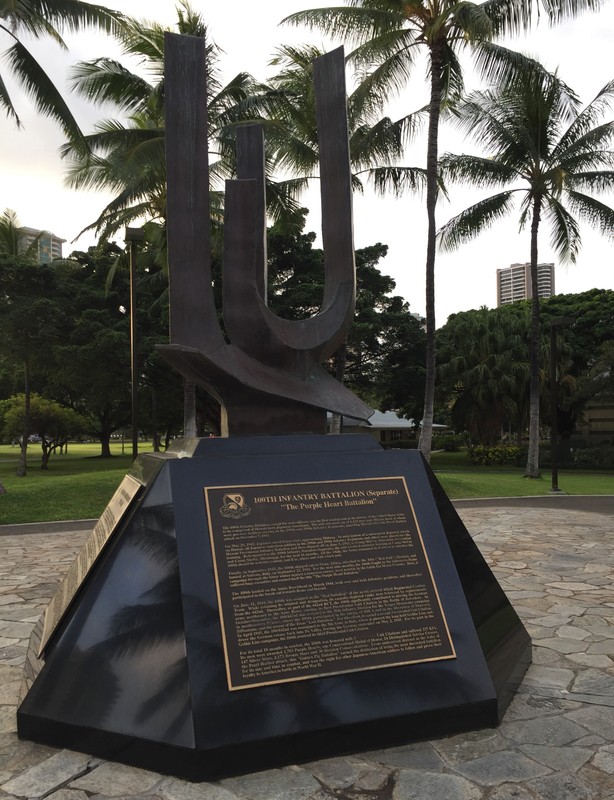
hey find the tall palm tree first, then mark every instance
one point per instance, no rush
(127, 156)
(389, 35)
(376, 142)
(45, 18)
(550, 152)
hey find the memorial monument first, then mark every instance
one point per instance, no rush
(263, 599)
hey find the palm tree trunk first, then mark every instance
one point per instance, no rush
(189, 410)
(23, 451)
(532, 469)
(341, 357)
(426, 434)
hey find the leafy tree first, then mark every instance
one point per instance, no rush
(42, 18)
(28, 327)
(11, 238)
(54, 424)
(389, 35)
(92, 373)
(585, 351)
(483, 372)
(551, 153)
(381, 358)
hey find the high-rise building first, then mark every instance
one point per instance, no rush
(48, 246)
(514, 282)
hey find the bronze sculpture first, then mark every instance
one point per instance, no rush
(268, 378)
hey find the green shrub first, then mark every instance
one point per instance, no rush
(450, 442)
(594, 457)
(500, 455)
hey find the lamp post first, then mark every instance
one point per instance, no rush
(555, 322)
(133, 235)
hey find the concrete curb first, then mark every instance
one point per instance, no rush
(597, 503)
(61, 526)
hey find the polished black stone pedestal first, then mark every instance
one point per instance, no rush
(135, 670)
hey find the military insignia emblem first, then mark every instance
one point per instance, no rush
(234, 506)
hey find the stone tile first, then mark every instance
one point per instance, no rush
(290, 783)
(115, 780)
(468, 746)
(412, 785)
(604, 758)
(67, 794)
(592, 681)
(8, 720)
(9, 693)
(49, 775)
(561, 645)
(339, 775)
(596, 719)
(563, 787)
(586, 660)
(503, 767)
(549, 676)
(175, 789)
(553, 731)
(563, 759)
(511, 791)
(415, 756)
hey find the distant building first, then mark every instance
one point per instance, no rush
(514, 283)
(48, 246)
(389, 429)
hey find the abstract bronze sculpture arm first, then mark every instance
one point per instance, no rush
(268, 379)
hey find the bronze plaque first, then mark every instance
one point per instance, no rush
(322, 578)
(87, 556)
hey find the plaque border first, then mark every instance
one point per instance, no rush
(81, 566)
(297, 678)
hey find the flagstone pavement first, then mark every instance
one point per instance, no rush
(555, 559)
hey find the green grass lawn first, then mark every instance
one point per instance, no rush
(78, 485)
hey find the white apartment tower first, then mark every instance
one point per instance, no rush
(514, 282)
(48, 245)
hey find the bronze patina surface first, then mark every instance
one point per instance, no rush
(268, 377)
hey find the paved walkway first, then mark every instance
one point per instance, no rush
(556, 562)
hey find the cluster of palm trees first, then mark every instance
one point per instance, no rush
(540, 144)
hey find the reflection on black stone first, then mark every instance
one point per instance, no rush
(118, 662)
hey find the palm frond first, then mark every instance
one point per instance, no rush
(475, 170)
(511, 17)
(106, 80)
(587, 148)
(596, 181)
(353, 24)
(41, 89)
(76, 15)
(7, 104)
(593, 211)
(399, 180)
(473, 220)
(564, 230)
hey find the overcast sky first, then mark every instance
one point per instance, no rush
(31, 172)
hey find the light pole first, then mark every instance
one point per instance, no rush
(133, 235)
(555, 322)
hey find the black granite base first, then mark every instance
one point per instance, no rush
(136, 673)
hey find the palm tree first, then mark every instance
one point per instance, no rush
(127, 158)
(389, 35)
(550, 153)
(39, 18)
(376, 142)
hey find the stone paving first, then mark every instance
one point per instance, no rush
(555, 743)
